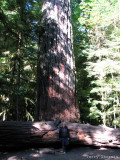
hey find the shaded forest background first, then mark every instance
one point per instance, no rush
(96, 33)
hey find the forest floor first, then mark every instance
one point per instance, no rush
(81, 153)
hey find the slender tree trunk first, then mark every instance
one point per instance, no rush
(56, 63)
(38, 109)
(4, 115)
(118, 104)
(114, 116)
(103, 110)
(13, 71)
(18, 75)
(119, 8)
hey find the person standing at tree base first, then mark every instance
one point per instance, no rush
(64, 137)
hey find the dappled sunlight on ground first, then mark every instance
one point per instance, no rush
(81, 153)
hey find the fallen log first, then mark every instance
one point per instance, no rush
(39, 133)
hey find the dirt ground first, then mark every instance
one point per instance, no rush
(81, 153)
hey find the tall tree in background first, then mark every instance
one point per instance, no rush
(56, 90)
(17, 61)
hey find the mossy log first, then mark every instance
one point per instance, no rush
(39, 133)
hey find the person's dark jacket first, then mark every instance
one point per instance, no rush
(64, 132)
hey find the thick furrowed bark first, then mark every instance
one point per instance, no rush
(39, 133)
(56, 88)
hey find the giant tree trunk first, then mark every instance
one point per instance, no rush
(56, 89)
(18, 77)
(39, 133)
